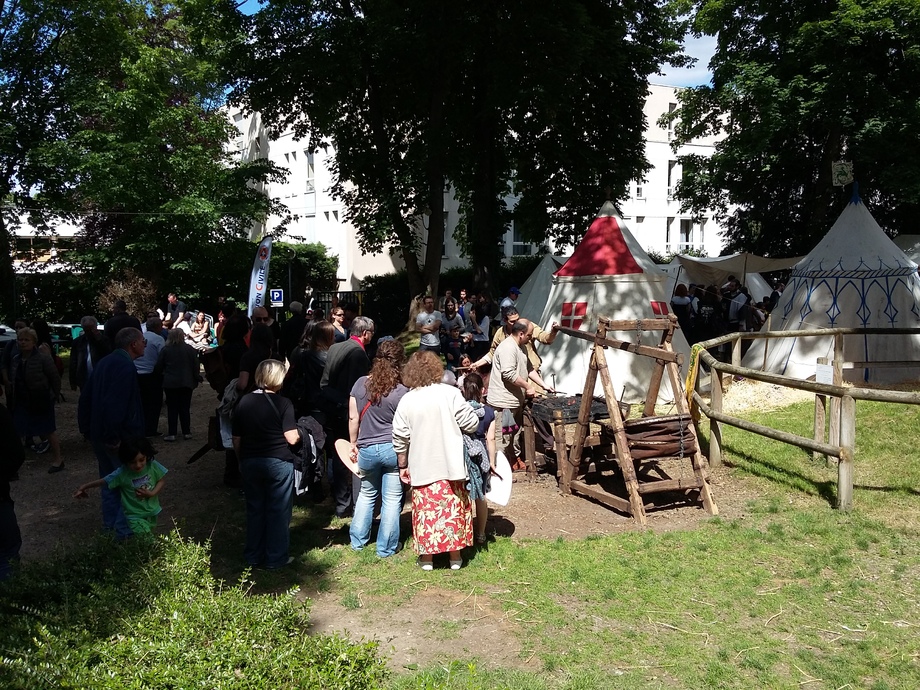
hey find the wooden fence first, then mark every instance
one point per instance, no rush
(840, 441)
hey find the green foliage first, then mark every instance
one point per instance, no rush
(795, 87)
(61, 297)
(546, 96)
(310, 266)
(147, 170)
(386, 301)
(149, 614)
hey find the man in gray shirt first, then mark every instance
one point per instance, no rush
(509, 387)
(428, 323)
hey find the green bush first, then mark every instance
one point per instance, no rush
(386, 301)
(149, 614)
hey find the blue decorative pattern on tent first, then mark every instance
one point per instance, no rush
(835, 286)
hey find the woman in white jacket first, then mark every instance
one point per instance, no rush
(428, 439)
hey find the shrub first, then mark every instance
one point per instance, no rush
(386, 301)
(149, 614)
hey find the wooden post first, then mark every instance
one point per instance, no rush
(624, 458)
(736, 352)
(529, 441)
(715, 427)
(766, 341)
(833, 436)
(820, 417)
(564, 469)
(847, 452)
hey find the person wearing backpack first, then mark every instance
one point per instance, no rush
(264, 427)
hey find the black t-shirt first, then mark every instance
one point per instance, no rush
(261, 429)
(250, 361)
(173, 311)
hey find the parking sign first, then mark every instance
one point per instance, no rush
(276, 297)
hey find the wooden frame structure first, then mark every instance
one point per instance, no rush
(614, 435)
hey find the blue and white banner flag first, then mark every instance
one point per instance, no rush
(259, 280)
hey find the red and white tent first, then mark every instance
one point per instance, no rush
(608, 275)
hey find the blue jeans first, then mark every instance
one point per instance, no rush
(269, 487)
(113, 517)
(381, 477)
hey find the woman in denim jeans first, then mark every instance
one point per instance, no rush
(263, 426)
(370, 424)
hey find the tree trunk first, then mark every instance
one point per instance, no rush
(7, 275)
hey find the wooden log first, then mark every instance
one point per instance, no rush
(529, 440)
(820, 418)
(681, 484)
(784, 436)
(697, 462)
(908, 398)
(847, 453)
(624, 459)
(654, 386)
(564, 469)
(644, 350)
(833, 434)
(604, 497)
(715, 427)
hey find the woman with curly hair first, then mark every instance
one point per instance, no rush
(428, 432)
(371, 408)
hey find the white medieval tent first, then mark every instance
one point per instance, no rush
(854, 278)
(535, 290)
(608, 275)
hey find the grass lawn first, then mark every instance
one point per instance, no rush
(796, 594)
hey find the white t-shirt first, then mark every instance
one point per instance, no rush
(426, 319)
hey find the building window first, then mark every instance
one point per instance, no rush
(310, 187)
(640, 189)
(701, 239)
(668, 234)
(671, 108)
(640, 219)
(686, 234)
(519, 246)
(672, 178)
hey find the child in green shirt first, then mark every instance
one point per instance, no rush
(139, 480)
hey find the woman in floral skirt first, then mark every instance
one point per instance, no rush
(428, 439)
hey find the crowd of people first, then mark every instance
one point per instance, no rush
(706, 312)
(412, 429)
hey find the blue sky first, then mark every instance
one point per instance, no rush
(700, 48)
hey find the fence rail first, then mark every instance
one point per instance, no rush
(840, 441)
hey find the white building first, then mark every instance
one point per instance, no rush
(653, 215)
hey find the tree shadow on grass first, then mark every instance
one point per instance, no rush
(783, 476)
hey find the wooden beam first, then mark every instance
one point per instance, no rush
(645, 350)
(604, 497)
(670, 485)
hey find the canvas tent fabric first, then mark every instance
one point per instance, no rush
(535, 290)
(608, 275)
(716, 270)
(677, 273)
(856, 277)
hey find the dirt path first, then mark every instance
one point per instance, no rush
(50, 518)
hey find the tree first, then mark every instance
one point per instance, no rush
(148, 169)
(795, 87)
(414, 95)
(49, 51)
